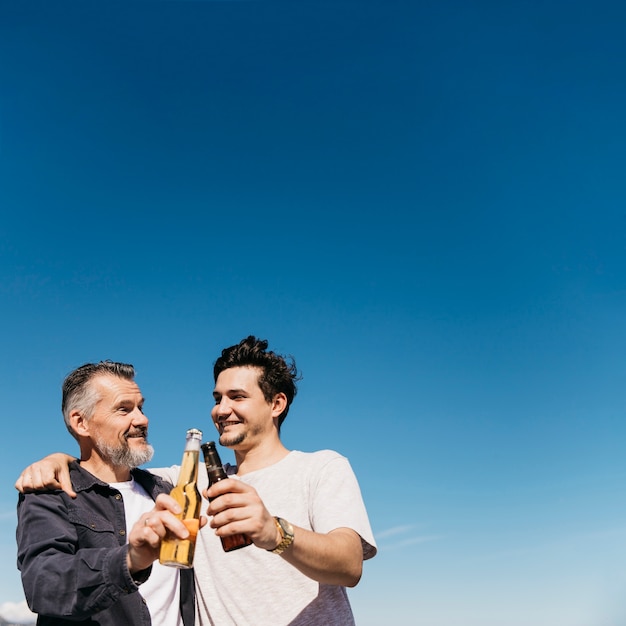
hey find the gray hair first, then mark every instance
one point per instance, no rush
(80, 395)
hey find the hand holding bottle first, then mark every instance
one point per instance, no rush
(144, 540)
(217, 474)
(235, 506)
(175, 551)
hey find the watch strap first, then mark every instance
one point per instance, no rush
(287, 538)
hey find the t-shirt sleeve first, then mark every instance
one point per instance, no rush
(166, 473)
(337, 502)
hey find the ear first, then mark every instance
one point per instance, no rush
(279, 404)
(79, 424)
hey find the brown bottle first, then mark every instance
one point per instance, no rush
(216, 473)
(179, 552)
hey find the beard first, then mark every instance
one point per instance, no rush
(228, 441)
(233, 440)
(122, 455)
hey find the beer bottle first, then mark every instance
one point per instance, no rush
(216, 473)
(179, 552)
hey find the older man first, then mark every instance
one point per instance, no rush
(89, 559)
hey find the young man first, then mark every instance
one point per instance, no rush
(81, 560)
(303, 511)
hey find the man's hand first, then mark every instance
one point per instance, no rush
(333, 558)
(147, 533)
(49, 474)
(237, 508)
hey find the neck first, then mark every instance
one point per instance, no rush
(260, 456)
(105, 472)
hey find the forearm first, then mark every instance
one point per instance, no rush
(334, 558)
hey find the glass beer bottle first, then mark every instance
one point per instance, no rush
(179, 552)
(216, 473)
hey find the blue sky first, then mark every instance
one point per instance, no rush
(422, 202)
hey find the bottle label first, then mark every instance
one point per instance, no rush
(193, 525)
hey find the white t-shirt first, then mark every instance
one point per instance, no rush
(162, 589)
(317, 491)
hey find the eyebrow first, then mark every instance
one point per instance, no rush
(126, 401)
(229, 392)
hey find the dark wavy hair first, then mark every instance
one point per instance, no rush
(278, 373)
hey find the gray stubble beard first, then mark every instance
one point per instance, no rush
(123, 456)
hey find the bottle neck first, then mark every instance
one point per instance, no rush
(213, 463)
(189, 466)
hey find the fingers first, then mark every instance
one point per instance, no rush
(161, 520)
(144, 542)
(24, 483)
(231, 494)
(44, 476)
(18, 484)
(228, 485)
(66, 484)
(165, 502)
(237, 508)
(148, 533)
(31, 479)
(150, 529)
(154, 527)
(163, 525)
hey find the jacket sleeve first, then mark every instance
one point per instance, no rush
(59, 578)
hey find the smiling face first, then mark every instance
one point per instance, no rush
(241, 413)
(118, 428)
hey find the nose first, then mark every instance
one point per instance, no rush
(222, 408)
(139, 418)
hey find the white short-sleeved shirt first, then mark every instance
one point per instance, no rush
(317, 491)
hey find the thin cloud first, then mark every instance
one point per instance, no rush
(412, 541)
(396, 532)
(562, 540)
(16, 612)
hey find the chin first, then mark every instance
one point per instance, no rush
(230, 441)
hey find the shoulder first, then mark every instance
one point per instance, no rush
(318, 458)
(55, 502)
(320, 462)
(169, 474)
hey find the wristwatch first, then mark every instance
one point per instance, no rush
(286, 532)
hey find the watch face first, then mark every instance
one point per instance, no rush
(286, 526)
(286, 531)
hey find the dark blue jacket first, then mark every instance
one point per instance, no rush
(72, 555)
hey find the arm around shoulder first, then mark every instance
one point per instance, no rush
(49, 474)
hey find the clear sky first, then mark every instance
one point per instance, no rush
(423, 202)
